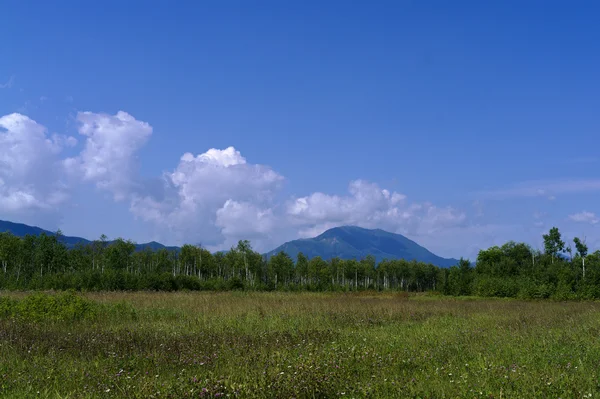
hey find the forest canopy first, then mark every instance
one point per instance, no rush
(514, 269)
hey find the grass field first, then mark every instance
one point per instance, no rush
(279, 345)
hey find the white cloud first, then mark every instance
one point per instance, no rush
(539, 218)
(214, 198)
(218, 198)
(218, 175)
(370, 206)
(366, 205)
(584, 217)
(547, 189)
(109, 156)
(210, 197)
(8, 84)
(239, 220)
(365, 202)
(30, 173)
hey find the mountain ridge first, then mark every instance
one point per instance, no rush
(352, 242)
(21, 229)
(345, 242)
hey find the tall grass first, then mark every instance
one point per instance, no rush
(239, 344)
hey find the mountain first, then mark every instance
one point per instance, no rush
(346, 242)
(21, 230)
(351, 242)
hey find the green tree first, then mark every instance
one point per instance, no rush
(280, 268)
(466, 276)
(319, 273)
(582, 251)
(10, 248)
(302, 268)
(553, 244)
(118, 254)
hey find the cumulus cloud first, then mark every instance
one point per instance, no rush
(584, 217)
(30, 173)
(244, 219)
(109, 156)
(217, 175)
(211, 196)
(367, 201)
(370, 206)
(214, 198)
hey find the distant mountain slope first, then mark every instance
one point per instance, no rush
(347, 242)
(22, 230)
(351, 242)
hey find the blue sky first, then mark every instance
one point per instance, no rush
(481, 117)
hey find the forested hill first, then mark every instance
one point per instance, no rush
(351, 242)
(21, 230)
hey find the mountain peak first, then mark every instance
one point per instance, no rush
(353, 242)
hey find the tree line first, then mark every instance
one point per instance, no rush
(511, 270)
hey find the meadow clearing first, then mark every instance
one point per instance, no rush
(295, 345)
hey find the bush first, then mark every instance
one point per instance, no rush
(563, 291)
(235, 283)
(531, 289)
(7, 307)
(187, 283)
(589, 291)
(160, 282)
(65, 306)
(495, 287)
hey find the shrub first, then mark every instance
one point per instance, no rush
(495, 287)
(235, 283)
(7, 307)
(41, 306)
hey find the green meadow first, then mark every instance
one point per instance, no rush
(295, 345)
